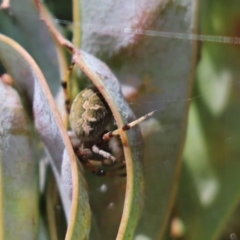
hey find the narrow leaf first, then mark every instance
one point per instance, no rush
(30, 80)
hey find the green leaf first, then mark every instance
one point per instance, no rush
(18, 170)
(108, 85)
(214, 171)
(22, 23)
(31, 81)
(130, 38)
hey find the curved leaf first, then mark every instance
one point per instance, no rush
(108, 85)
(30, 80)
(144, 44)
(136, 54)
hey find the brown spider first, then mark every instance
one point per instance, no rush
(89, 116)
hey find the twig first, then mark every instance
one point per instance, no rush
(56, 34)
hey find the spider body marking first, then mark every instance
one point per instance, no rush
(89, 115)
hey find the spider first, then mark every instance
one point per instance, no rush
(89, 116)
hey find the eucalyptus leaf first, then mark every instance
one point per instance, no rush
(108, 85)
(31, 81)
(139, 41)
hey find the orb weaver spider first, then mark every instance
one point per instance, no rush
(89, 116)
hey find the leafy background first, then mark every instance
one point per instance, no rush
(191, 162)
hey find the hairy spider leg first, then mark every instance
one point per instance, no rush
(94, 166)
(126, 127)
(103, 167)
(103, 153)
(65, 83)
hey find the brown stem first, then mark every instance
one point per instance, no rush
(56, 34)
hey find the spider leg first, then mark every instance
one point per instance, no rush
(84, 155)
(95, 167)
(119, 170)
(101, 163)
(92, 168)
(105, 154)
(126, 127)
(76, 143)
(65, 87)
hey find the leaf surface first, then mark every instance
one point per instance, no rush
(21, 23)
(31, 81)
(147, 46)
(18, 170)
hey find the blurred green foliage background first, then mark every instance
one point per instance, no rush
(192, 164)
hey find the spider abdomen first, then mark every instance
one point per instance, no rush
(89, 114)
